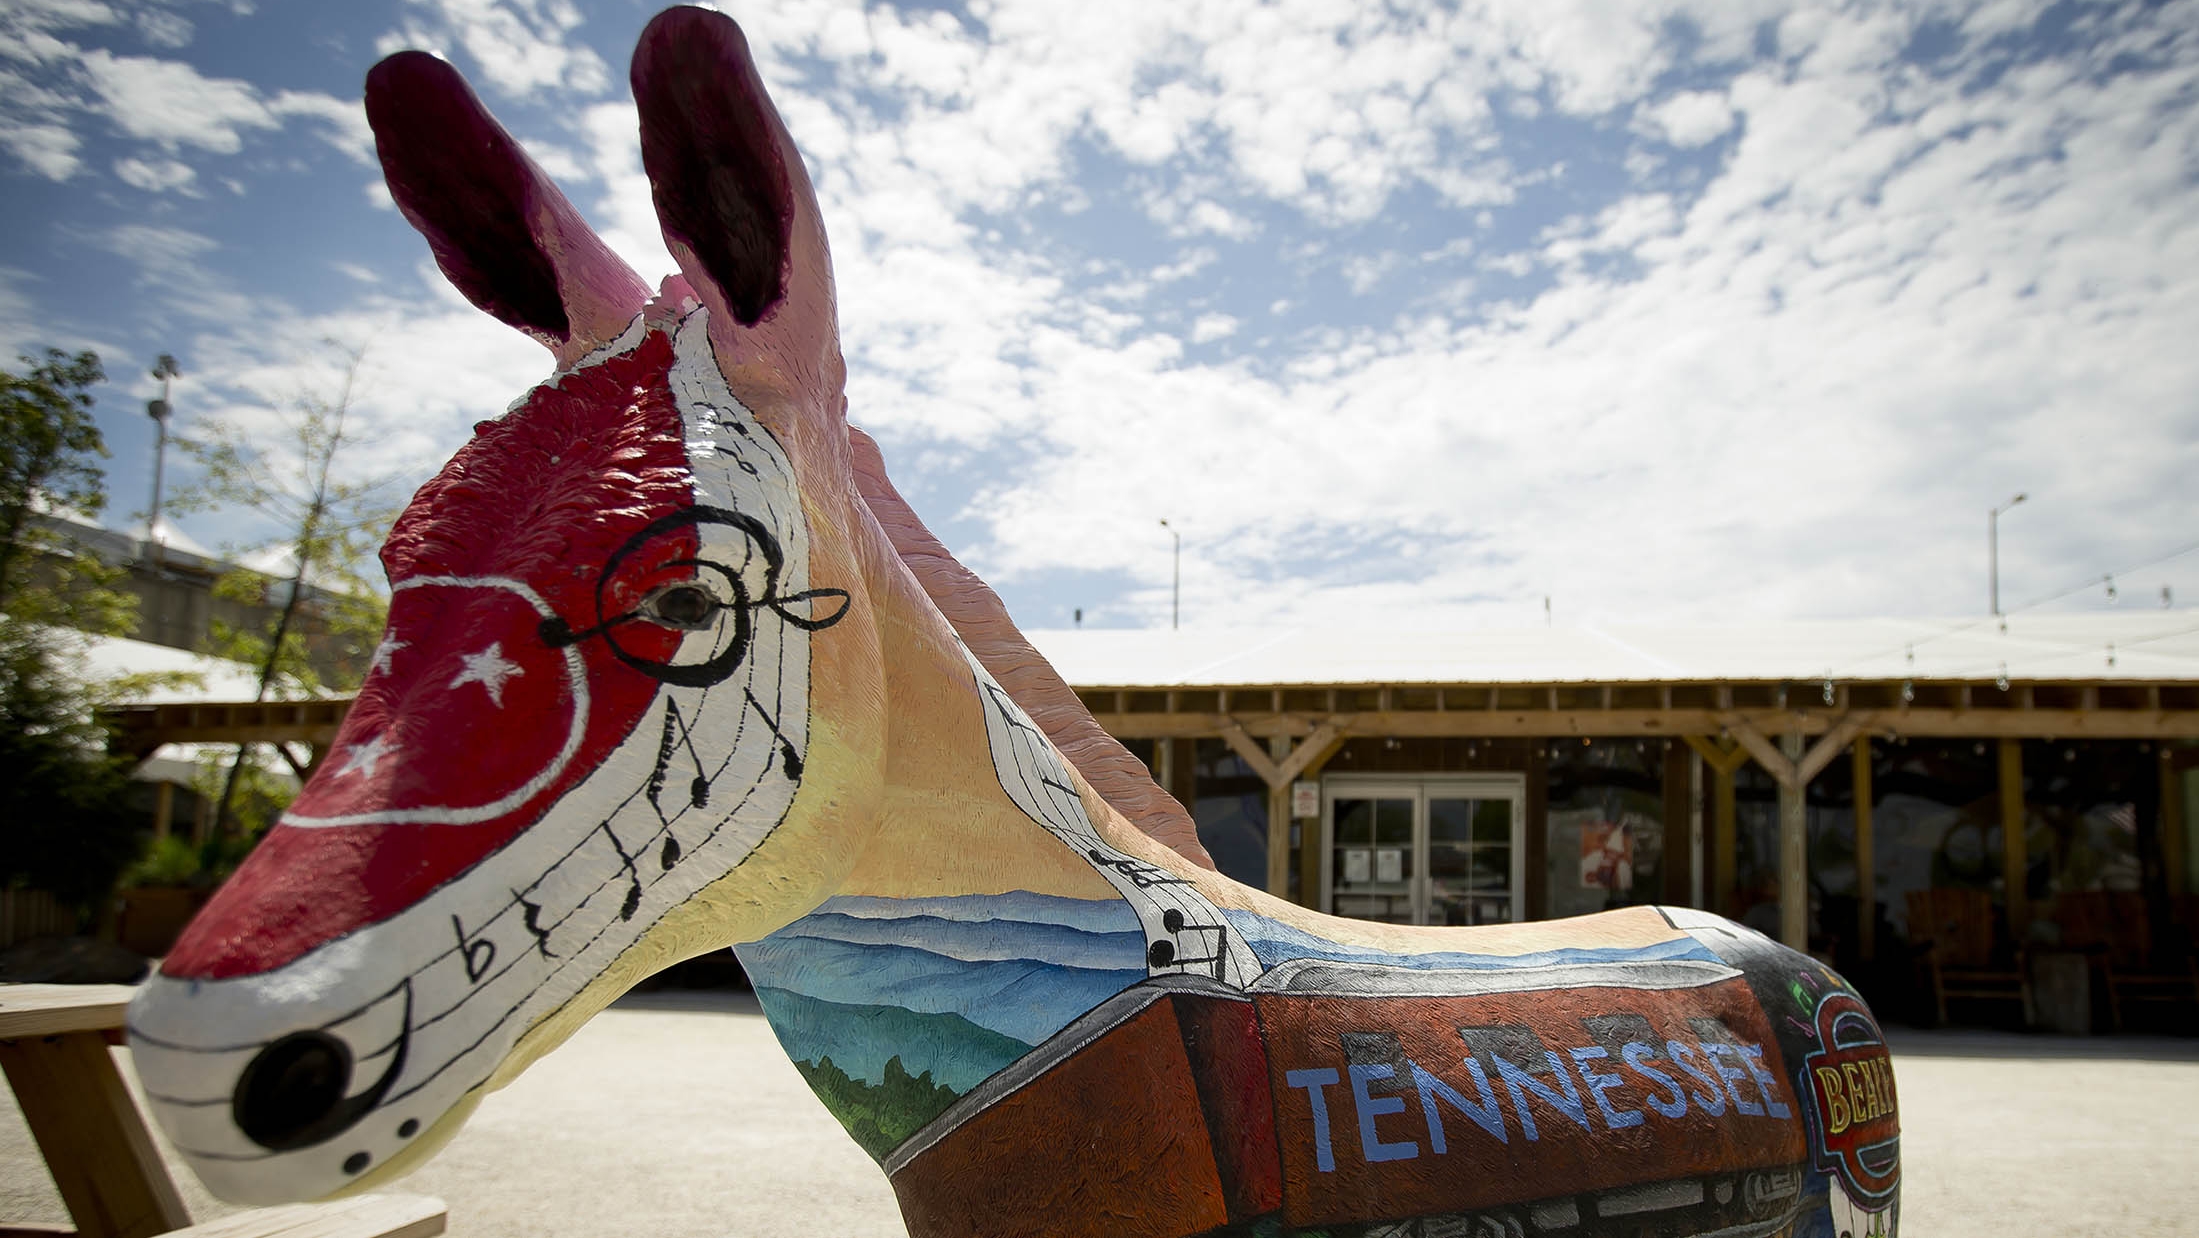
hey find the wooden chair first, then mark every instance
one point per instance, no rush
(1954, 933)
(2114, 926)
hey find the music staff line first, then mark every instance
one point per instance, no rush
(1033, 753)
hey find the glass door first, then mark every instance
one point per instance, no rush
(1437, 850)
(1371, 869)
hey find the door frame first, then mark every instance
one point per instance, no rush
(1419, 788)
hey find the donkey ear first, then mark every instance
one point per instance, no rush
(499, 228)
(737, 208)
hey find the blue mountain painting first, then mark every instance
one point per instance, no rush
(955, 988)
(1273, 942)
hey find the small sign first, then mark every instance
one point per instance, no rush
(1305, 798)
(1389, 865)
(1358, 866)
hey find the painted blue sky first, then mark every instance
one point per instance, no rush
(1399, 313)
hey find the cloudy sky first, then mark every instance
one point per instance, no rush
(1400, 314)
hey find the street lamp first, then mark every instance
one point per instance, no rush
(1175, 580)
(1992, 548)
(159, 410)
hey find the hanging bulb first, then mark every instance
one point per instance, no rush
(2111, 655)
(2168, 598)
(2002, 681)
(1908, 691)
(1828, 692)
(2109, 581)
(2004, 625)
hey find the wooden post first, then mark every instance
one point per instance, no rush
(1724, 841)
(1794, 877)
(1866, 869)
(2014, 862)
(1696, 895)
(2173, 839)
(1278, 821)
(103, 1160)
(1278, 766)
(1723, 757)
(164, 808)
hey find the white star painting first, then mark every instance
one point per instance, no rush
(362, 758)
(385, 651)
(489, 668)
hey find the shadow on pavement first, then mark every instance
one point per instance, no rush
(1943, 1042)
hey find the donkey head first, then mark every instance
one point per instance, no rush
(626, 629)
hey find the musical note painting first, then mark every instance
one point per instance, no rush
(672, 668)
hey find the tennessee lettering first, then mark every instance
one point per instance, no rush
(1590, 1087)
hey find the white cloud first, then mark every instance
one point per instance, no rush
(1689, 118)
(1895, 295)
(169, 102)
(164, 29)
(521, 47)
(156, 175)
(48, 149)
(1211, 327)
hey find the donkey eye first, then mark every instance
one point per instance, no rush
(682, 606)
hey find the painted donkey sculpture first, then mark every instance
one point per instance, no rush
(670, 666)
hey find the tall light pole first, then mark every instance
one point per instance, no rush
(1175, 580)
(1992, 548)
(159, 410)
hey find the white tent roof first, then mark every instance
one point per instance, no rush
(219, 679)
(2148, 646)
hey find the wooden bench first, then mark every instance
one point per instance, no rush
(1955, 932)
(2117, 929)
(55, 1049)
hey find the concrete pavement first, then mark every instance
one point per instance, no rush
(676, 1114)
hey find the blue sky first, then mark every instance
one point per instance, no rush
(1406, 315)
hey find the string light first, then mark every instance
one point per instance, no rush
(2002, 681)
(1908, 691)
(1828, 692)
(2109, 581)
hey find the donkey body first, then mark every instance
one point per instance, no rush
(670, 666)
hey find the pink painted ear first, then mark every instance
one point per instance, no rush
(499, 228)
(738, 213)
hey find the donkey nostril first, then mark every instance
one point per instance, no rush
(291, 1089)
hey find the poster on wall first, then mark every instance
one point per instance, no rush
(1389, 865)
(1607, 855)
(1357, 866)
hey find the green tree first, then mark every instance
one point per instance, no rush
(62, 812)
(328, 606)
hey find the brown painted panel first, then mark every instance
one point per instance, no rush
(1222, 1040)
(1348, 1142)
(1112, 1132)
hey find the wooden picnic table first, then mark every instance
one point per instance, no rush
(55, 1049)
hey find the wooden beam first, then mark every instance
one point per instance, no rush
(2015, 863)
(1725, 756)
(1759, 746)
(1311, 840)
(1794, 849)
(1795, 770)
(1866, 871)
(103, 1159)
(1722, 840)
(1248, 749)
(1278, 821)
(1631, 723)
(2173, 839)
(1827, 747)
(1278, 766)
